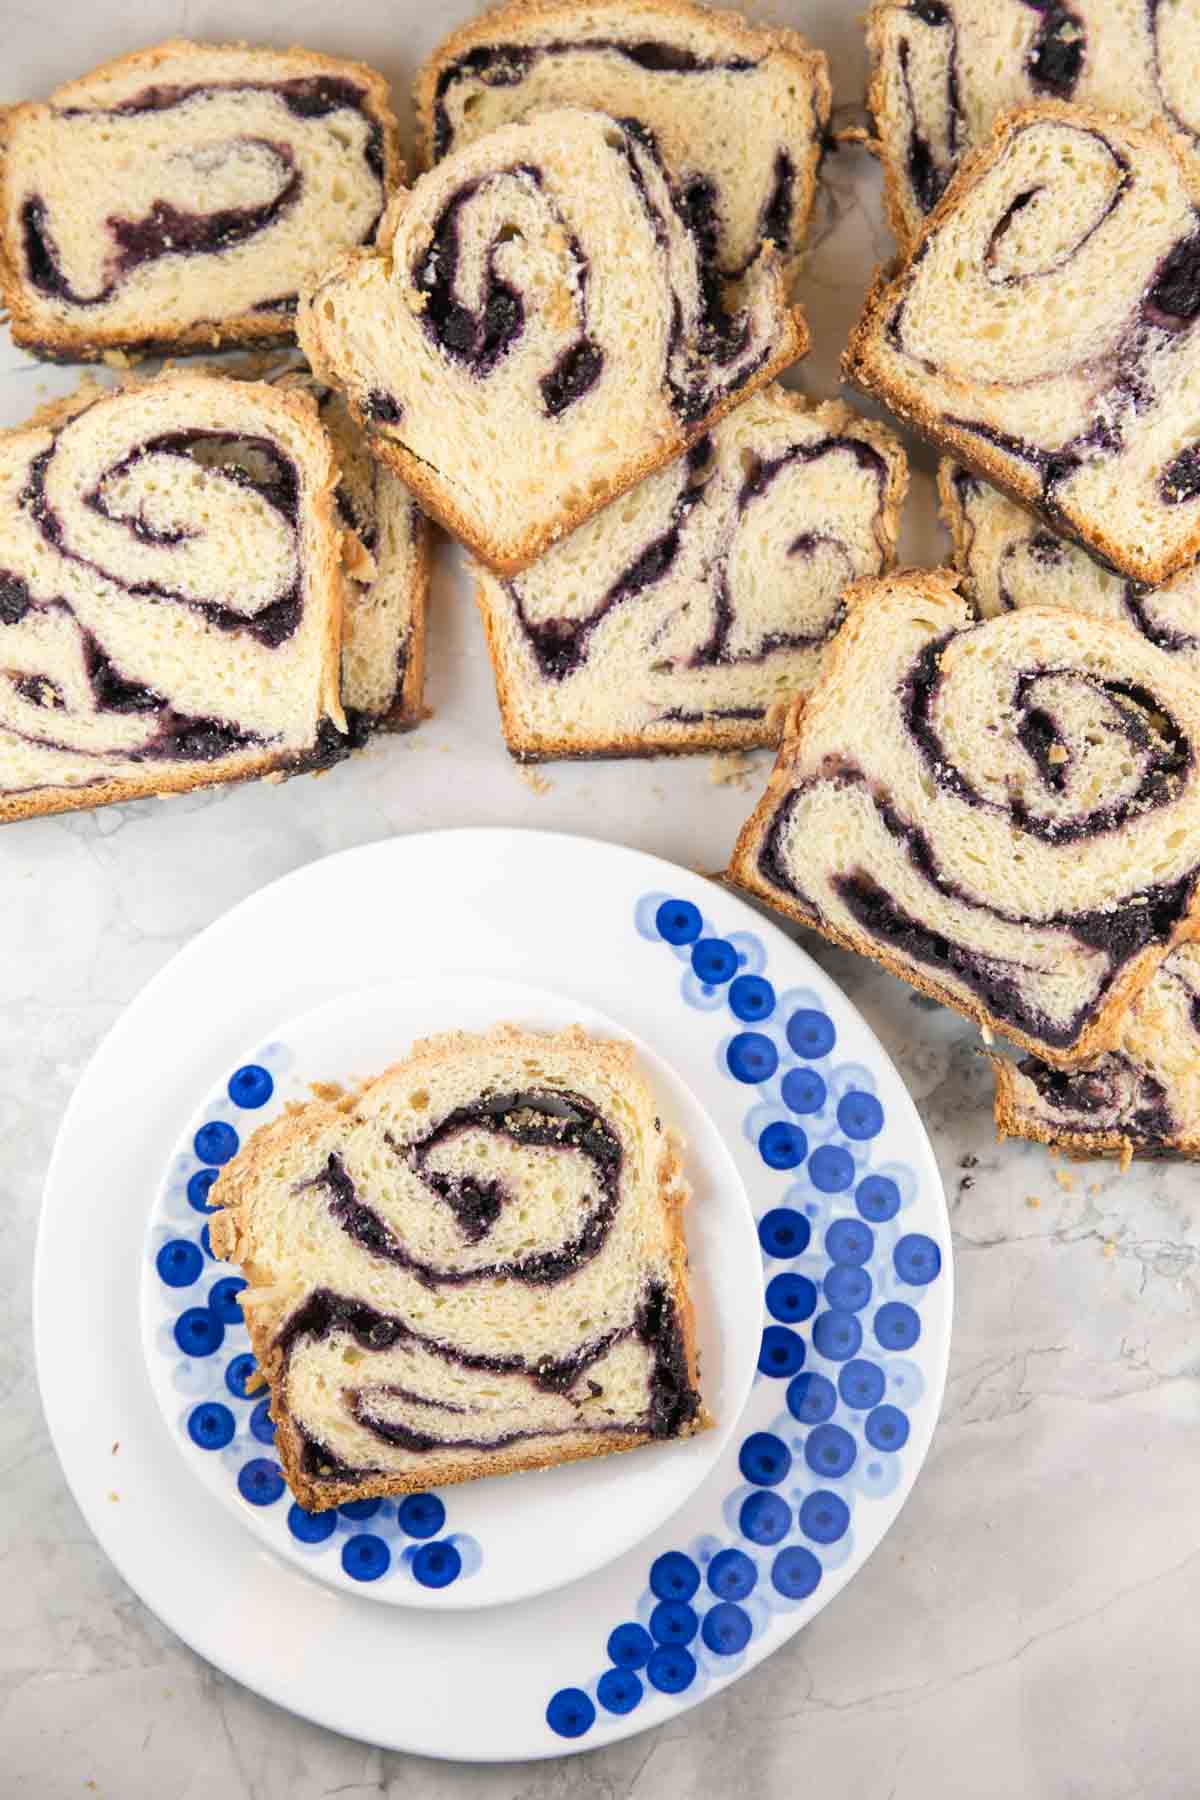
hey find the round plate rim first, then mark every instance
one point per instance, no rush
(225, 1655)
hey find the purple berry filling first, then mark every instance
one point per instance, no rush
(169, 230)
(564, 1121)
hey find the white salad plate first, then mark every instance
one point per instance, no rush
(703, 1557)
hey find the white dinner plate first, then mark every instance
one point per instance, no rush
(485, 1542)
(854, 1316)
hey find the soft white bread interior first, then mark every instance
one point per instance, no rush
(472, 1266)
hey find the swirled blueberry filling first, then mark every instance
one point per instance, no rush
(1057, 54)
(507, 65)
(673, 1401)
(542, 1118)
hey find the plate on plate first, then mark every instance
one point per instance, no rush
(852, 1301)
(481, 1543)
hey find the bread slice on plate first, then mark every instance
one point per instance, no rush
(170, 593)
(686, 73)
(1141, 1099)
(942, 72)
(1005, 814)
(472, 1266)
(1008, 558)
(687, 614)
(176, 198)
(538, 327)
(1046, 331)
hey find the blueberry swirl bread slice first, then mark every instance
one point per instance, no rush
(387, 582)
(684, 615)
(684, 72)
(943, 71)
(1007, 558)
(170, 593)
(1047, 331)
(473, 1266)
(1005, 813)
(1141, 1099)
(538, 327)
(176, 198)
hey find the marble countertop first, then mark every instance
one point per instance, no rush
(1031, 1627)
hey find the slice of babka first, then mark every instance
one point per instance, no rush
(942, 72)
(739, 110)
(1046, 331)
(387, 586)
(176, 198)
(170, 593)
(1005, 813)
(473, 1266)
(1141, 1099)
(688, 613)
(1008, 558)
(539, 326)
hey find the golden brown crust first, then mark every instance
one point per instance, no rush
(323, 547)
(755, 40)
(859, 365)
(432, 495)
(1106, 1027)
(686, 740)
(1012, 1122)
(78, 343)
(267, 1306)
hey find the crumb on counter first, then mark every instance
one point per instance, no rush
(1032, 1200)
(733, 768)
(534, 780)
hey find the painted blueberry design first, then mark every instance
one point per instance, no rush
(226, 1411)
(829, 1416)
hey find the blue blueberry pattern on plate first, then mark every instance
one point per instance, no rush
(839, 1371)
(224, 1413)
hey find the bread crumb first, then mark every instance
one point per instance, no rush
(1033, 1201)
(117, 359)
(113, 1494)
(731, 769)
(1067, 1179)
(116, 1447)
(1126, 1155)
(1110, 1249)
(326, 1090)
(534, 779)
